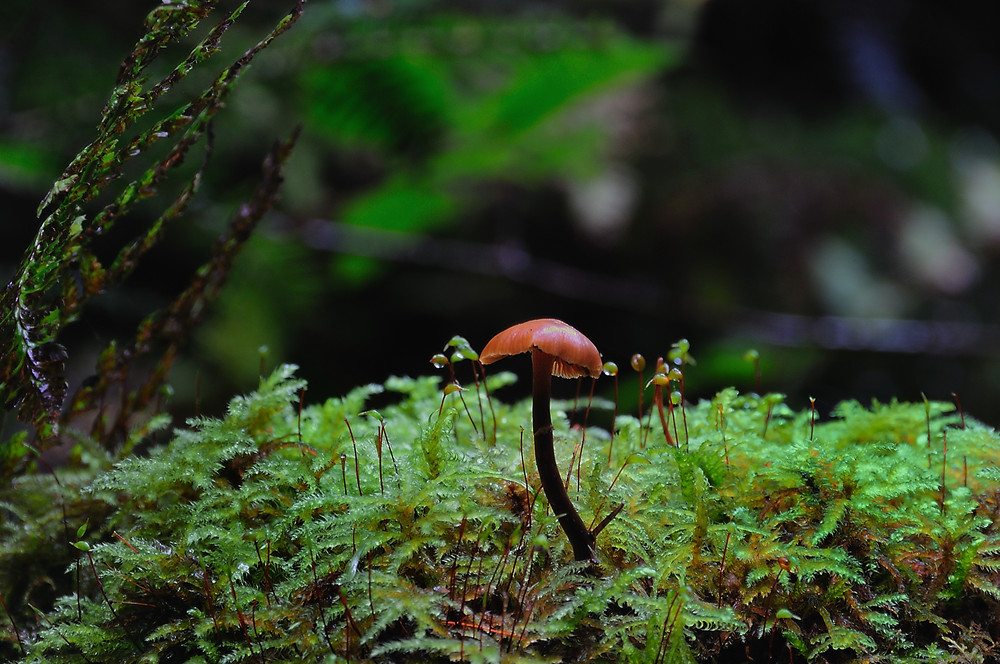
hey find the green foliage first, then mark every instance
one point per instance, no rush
(291, 532)
(64, 269)
(450, 100)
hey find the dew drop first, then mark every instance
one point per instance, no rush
(638, 362)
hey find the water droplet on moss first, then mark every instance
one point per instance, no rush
(638, 362)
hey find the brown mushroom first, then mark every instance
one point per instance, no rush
(557, 349)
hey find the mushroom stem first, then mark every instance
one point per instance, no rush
(545, 459)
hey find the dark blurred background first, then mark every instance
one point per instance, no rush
(819, 181)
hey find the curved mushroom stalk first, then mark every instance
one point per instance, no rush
(545, 460)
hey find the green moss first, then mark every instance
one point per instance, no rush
(293, 532)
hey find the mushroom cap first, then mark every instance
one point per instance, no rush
(574, 354)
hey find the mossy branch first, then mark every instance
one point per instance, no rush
(60, 272)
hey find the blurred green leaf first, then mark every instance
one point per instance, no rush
(395, 104)
(24, 165)
(354, 270)
(402, 204)
(541, 85)
(490, 116)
